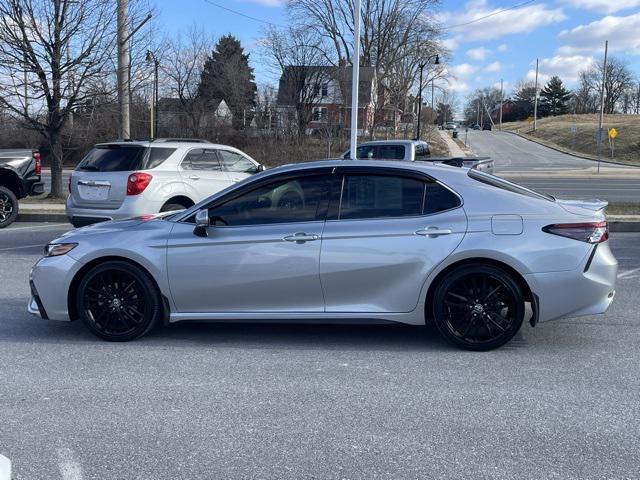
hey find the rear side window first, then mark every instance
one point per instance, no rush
(113, 158)
(438, 199)
(378, 196)
(157, 155)
(380, 152)
(422, 152)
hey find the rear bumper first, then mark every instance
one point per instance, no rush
(588, 290)
(133, 206)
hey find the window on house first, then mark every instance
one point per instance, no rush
(325, 90)
(320, 114)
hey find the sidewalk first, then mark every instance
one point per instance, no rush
(454, 148)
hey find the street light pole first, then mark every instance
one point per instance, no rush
(154, 97)
(601, 118)
(355, 80)
(535, 101)
(422, 65)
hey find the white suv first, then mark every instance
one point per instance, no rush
(126, 179)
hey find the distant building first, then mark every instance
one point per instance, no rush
(173, 118)
(512, 111)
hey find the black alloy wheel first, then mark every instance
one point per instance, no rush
(118, 301)
(478, 307)
(8, 207)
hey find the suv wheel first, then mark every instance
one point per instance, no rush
(170, 207)
(8, 207)
(478, 307)
(118, 301)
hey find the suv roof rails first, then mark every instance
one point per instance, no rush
(189, 140)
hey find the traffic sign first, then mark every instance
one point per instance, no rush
(613, 133)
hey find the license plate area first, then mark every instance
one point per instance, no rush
(94, 192)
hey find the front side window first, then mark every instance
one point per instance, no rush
(201, 159)
(234, 162)
(302, 199)
(378, 196)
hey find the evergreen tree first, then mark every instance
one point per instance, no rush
(227, 75)
(554, 98)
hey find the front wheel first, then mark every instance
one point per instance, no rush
(118, 301)
(478, 307)
(8, 207)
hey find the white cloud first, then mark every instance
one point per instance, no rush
(462, 70)
(622, 33)
(567, 68)
(456, 85)
(493, 67)
(518, 20)
(479, 53)
(450, 43)
(503, 47)
(604, 6)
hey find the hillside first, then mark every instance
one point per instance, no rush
(557, 132)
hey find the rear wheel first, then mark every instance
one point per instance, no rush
(170, 207)
(478, 307)
(8, 207)
(118, 301)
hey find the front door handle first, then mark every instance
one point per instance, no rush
(434, 232)
(301, 237)
(194, 177)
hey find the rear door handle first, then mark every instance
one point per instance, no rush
(194, 177)
(434, 232)
(301, 237)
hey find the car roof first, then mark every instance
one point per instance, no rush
(167, 143)
(392, 142)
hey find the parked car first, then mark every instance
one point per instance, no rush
(119, 180)
(476, 127)
(450, 126)
(20, 172)
(409, 150)
(399, 242)
(486, 126)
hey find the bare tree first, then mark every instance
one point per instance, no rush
(619, 79)
(49, 51)
(183, 66)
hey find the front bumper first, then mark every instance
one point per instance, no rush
(50, 280)
(588, 290)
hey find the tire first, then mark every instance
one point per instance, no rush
(478, 307)
(118, 301)
(170, 207)
(8, 207)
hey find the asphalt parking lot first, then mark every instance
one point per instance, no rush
(205, 401)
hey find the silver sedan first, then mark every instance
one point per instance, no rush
(346, 241)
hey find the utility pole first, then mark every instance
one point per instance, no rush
(478, 112)
(355, 81)
(422, 65)
(482, 112)
(501, 101)
(601, 118)
(535, 101)
(123, 69)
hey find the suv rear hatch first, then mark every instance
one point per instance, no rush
(100, 180)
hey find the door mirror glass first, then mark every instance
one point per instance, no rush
(202, 223)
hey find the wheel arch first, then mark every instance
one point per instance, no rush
(11, 180)
(183, 200)
(77, 278)
(517, 276)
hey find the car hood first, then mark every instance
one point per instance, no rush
(111, 227)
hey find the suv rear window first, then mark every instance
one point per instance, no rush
(508, 186)
(379, 152)
(123, 158)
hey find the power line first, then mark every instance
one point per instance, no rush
(242, 14)
(513, 7)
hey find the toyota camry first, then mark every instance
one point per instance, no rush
(340, 240)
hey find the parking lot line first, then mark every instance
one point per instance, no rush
(629, 273)
(70, 468)
(6, 249)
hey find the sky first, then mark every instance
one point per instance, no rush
(565, 35)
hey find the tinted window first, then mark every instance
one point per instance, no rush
(375, 196)
(157, 155)
(201, 159)
(439, 199)
(234, 162)
(113, 158)
(422, 152)
(295, 200)
(505, 185)
(380, 152)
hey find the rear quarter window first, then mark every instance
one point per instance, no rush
(157, 156)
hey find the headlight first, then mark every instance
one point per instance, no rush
(57, 249)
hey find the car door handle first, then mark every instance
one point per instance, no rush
(434, 232)
(301, 237)
(194, 177)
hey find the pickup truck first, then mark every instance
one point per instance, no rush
(20, 172)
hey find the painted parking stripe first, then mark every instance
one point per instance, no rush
(7, 249)
(629, 274)
(5, 468)
(68, 464)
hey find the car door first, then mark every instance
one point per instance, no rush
(383, 237)
(261, 253)
(237, 166)
(202, 171)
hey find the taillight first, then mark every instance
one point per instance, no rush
(137, 182)
(593, 232)
(36, 157)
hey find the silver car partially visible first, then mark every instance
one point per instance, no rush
(405, 242)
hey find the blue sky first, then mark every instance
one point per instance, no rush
(566, 35)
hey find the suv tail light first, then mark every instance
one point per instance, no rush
(593, 232)
(137, 182)
(36, 157)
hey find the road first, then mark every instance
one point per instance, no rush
(205, 401)
(514, 155)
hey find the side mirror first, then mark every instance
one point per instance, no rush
(202, 223)
(261, 168)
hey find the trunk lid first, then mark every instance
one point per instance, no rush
(100, 180)
(585, 208)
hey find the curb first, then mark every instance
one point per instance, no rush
(621, 226)
(42, 217)
(567, 152)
